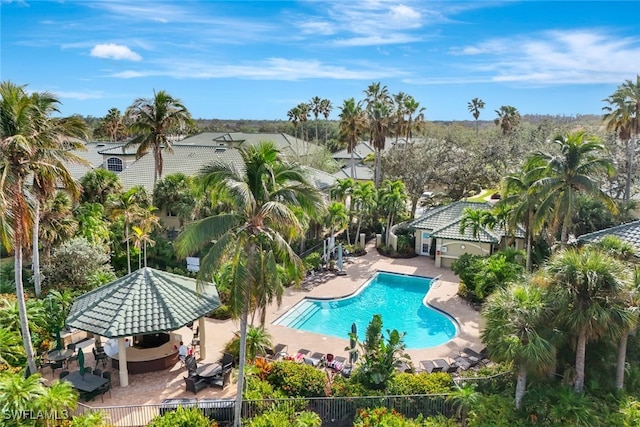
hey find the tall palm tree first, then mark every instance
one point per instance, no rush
(379, 106)
(30, 143)
(519, 194)
(316, 109)
(127, 207)
(508, 118)
(113, 125)
(153, 121)
(515, 318)
(474, 107)
(399, 111)
(353, 123)
(343, 191)
(623, 117)
(294, 117)
(50, 167)
(337, 217)
(174, 194)
(326, 107)
(57, 223)
(254, 233)
(477, 219)
(303, 115)
(572, 172)
(98, 184)
(412, 107)
(588, 285)
(392, 199)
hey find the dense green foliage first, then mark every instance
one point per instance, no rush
(181, 417)
(297, 379)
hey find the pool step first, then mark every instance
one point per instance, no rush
(299, 315)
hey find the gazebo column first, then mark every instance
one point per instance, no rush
(122, 362)
(203, 338)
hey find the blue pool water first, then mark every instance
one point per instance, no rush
(397, 297)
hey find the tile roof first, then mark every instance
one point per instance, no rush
(362, 172)
(187, 159)
(444, 222)
(361, 150)
(143, 302)
(629, 233)
(321, 179)
(287, 144)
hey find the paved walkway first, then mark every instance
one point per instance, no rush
(152, 388)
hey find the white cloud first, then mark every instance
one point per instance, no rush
(81, 96)
(268, 69)
(114, 51)
(557, 57)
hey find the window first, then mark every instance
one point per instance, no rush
(114, 164)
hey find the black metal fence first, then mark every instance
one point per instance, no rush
(334, 411)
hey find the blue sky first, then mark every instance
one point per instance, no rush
(258, 59)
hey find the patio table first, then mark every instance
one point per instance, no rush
(88, 382)
(209, 370)
(58, 355)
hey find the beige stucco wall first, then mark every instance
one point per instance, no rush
(455, 248)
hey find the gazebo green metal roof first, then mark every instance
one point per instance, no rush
(144, 302)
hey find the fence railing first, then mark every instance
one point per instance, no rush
(334, 411)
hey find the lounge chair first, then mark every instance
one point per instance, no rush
(427, 366)
(226, 361)
(277, 352)
(442, 364)
(336, 364)
(315, 359)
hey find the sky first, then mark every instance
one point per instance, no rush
(259, 59)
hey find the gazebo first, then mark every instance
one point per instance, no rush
(146, 301)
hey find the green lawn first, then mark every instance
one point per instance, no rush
(482, 196)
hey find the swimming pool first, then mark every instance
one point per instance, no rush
(398, 298)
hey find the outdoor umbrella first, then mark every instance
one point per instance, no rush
(81, 361)
(59, 344)
(340, 263)
(353, 352)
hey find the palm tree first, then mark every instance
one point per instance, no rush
(50, 168)
(474, 108)
(477, 219)
(380, 127)
(519, 194)
(508, 118)
(153, 121)
(28, 137)
(113, 125)
(514, 320)
(57, 223)
(326, 107)
(572, 172)
(316, 109)
(175, 195)
(623, 117)
(253, 234)
(98, 184)
(412, 107)
(364, 200)
(399, 113)
(464, 399)
(587, 286)
(294, 116)
(303, 115)
(337, 217)
(147, 222)
(353, 123)
(392, 199)
(342, 192)
(127, 207)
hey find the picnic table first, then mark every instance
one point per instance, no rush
(58, 355)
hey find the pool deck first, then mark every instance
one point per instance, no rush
(152, 388)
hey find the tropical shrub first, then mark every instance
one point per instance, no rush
(480, 276)
(297, 379)
(374, 417)
(422, 383)
(312, 261)
(74, 265)
(285, 414)
(91, 419)
(182, 417)
(495, 410)
(257, 339)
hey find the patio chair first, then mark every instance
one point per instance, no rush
(196, 338)
(63, 374)
(56, 365)
(74, 356)
(97, 372)
(315, 359)
(88, 370)
(222, 380)
(194, 384)
(227, 361)
(100, 357)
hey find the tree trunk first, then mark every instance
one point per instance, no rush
(237, 421)
(126, 236)
(529, 237)
(22, 308)
(145, 254)
(414, 206)
(35, 257)
(622, 356)
(353, 166)
(378, 176)
(581, 348)
(521, 386)
(630, 153)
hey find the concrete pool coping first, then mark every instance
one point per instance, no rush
(298, 311)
